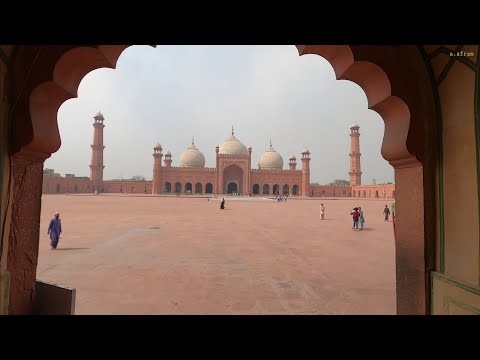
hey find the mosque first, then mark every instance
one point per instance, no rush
(233, 173)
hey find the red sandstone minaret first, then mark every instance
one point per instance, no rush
(355, 169)
(157, 170)
(305, 172)
(96, 165)
(168, 159)
(292, 162)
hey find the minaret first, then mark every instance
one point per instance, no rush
(168, 159)
(355, 169)
(96, 164)
(248, 188)
(305, 172)
(292, 162)
(218, 180)
(157, 170)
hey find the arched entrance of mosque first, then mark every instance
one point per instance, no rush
(188, 187)
(168, 187)
(266, 189)
(232, 188)
(209, 188)
(286, 189)
(276, 190)
(52, 78)
(198, 188)
(256, 189)
(232, 177)
(178, 187)
(295, 190)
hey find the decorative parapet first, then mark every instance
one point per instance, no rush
(276, 171)
(187, 169)
(230, 156)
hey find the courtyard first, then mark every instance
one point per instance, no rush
(129, 254)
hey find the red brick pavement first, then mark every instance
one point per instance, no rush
(169, 255)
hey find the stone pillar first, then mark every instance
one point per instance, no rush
(5, 190)
(24, 231)
(409, 227)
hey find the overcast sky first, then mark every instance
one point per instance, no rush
(170, 93)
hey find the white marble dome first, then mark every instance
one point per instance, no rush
(232, 146)
(271, 160)
(192, 157)
(354, 125)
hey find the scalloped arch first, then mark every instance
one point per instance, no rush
(376, 86)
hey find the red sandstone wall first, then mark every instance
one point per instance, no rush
(330, 191)
(62, 185)
(279, 177)
(188, 175)
(129, 187)
(386, 191)
(368, 191)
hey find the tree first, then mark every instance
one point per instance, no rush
(340, 182)
(137, 178)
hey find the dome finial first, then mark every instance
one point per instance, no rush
(193, 140)
(270, 142)
(233, 132)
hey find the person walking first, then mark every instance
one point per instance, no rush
(386, 212)
(222, 204)
(55, 230)
(322, 212)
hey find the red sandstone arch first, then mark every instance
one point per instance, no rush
(209, 188)
(295, 190)
(58, 74)
(233, 173)
(266, 189)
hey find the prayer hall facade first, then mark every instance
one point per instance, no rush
(233, 173)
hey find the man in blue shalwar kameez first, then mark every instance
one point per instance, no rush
(55, 230)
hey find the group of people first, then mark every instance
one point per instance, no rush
(280, 198)
(358, 218)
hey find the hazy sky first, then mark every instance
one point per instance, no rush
(170, 93)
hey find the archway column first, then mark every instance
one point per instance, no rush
(25, 230)
(409, 238)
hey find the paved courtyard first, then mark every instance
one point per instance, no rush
(130, 254)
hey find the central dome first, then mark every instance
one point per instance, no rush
(271, 160)
(192, 157)
(232, 146)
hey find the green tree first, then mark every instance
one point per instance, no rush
(137, 178)
(340, 182)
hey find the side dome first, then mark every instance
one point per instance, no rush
(232, 146)
(192, 157)
(271, 160)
